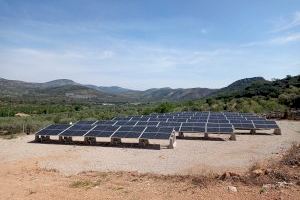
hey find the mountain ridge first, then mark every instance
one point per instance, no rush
(66, 89)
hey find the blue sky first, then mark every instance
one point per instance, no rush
(145, 44)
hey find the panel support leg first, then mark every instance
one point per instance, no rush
(252, 131)
(277, 131)
(181, 135)
(143, 142)
(37, 138)
(172, 142)
(232, 137)
(115, 141)
(206, 135)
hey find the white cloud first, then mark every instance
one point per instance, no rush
(284, 24)
(286, 39)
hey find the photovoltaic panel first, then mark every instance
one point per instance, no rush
(129, 132)
(77, 130)
(192, 127)
(126, 123)
(241, 121)
(197, 120)
(243, 126)
(102, 131)
(178, 120)
(157, 120)
(267, 124)
(53, 130)
(161, 133)
(141, 123)
(218, 121)
(175, 125)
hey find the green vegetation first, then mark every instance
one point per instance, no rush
(260, 97)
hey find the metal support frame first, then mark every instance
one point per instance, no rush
(252, 131)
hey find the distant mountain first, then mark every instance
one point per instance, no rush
(239, 85)
(58, 83)
(68, 90)
(111, 89)
(169, 94)
(54, 91)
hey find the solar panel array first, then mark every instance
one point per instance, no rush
(161, 126)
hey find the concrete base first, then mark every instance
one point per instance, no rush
(277, 131)
(232, 137)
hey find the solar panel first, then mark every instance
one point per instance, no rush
(126, 123)
(151, 119)
(175, 125)
(129, 132)
(178, 120)
(53, 130)
(218, 121)
(191, 129)
(77, 130)
(141, 123)
(197, 120)
(49, 132)
(102, 131)
(144, 118)
(161, 133)
(265, 124)
(243, 125)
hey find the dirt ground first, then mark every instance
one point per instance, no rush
(50, 171)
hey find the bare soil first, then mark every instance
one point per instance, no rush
(191, 171)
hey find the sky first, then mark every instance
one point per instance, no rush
(141, 44)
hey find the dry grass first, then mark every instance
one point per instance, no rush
(287, 169)
(87, 184)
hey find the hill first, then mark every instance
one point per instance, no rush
(240, 85)
(68, 90)
(64, 90)
(61, 90)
